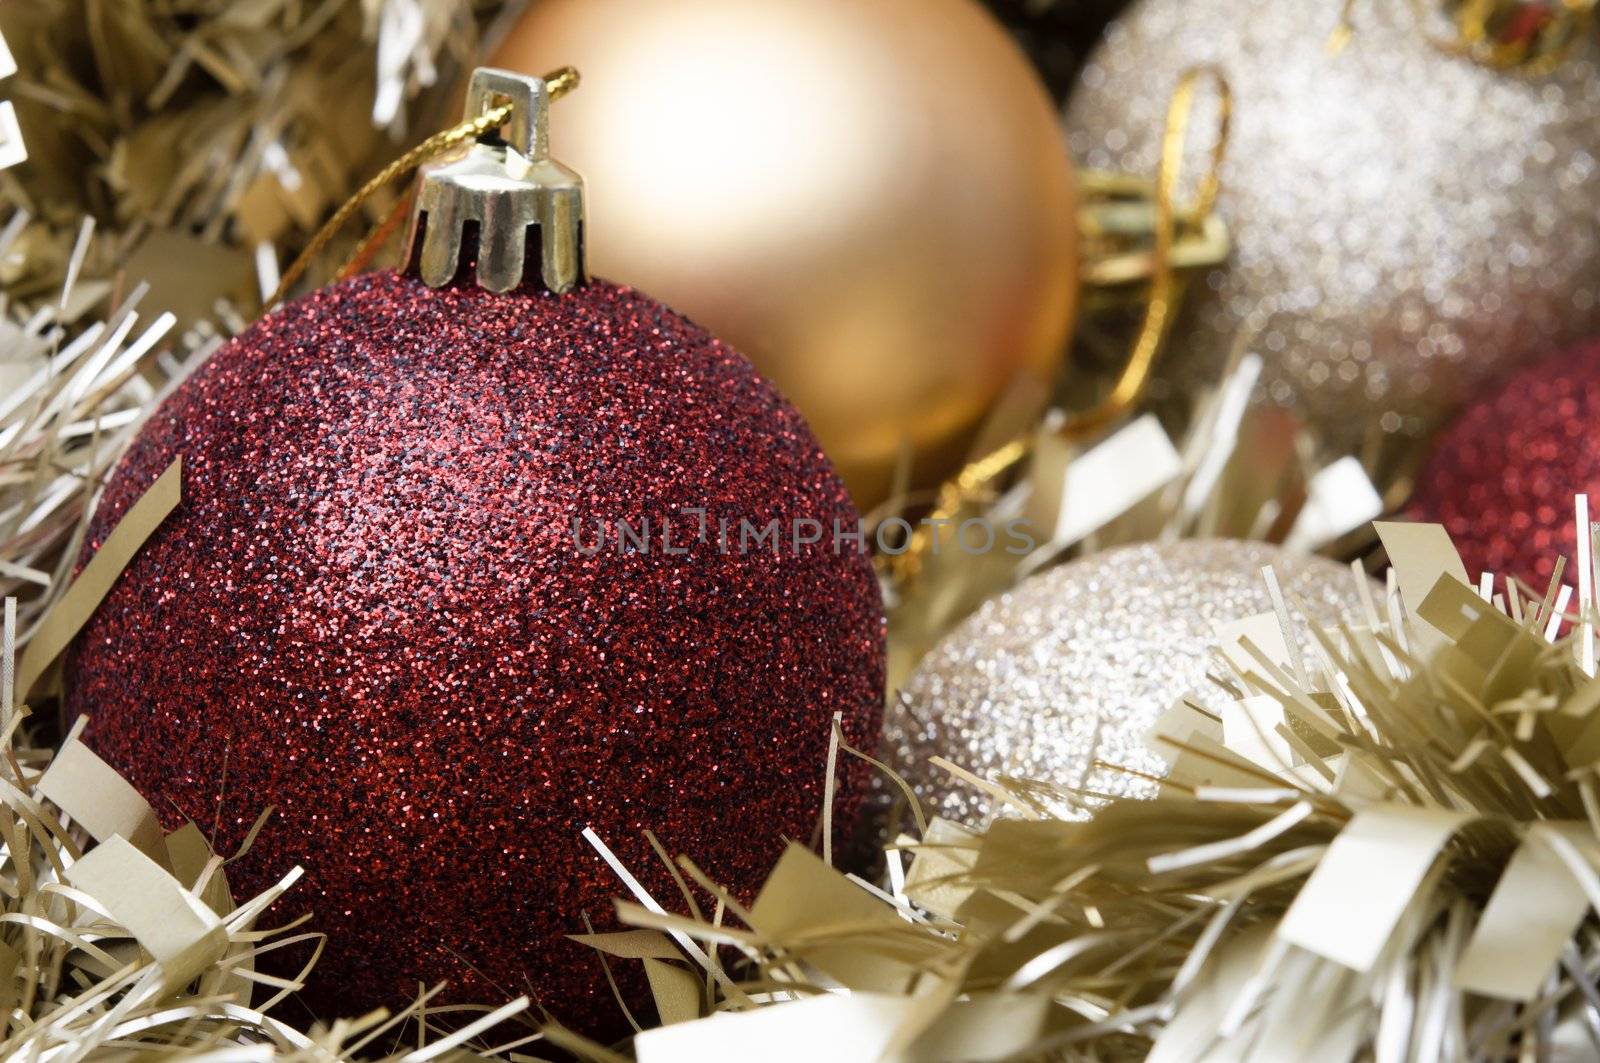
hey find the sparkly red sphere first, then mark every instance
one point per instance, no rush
(1502, 477)
(386, 606)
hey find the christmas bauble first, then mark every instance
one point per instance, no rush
(387, 607)
(1060, 679)
(1502, 477)
(871, 200)
(1405, 222)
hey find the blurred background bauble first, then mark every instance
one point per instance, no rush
(873, 201)
(1501, 478)
(1061, 679)
(1406, 222)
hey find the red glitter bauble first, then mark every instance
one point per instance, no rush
(371, 611)
(1502, 477)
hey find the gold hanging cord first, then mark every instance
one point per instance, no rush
(559, 83)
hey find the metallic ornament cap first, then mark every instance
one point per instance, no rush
(511, 191)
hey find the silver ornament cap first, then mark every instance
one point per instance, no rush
(508, 191)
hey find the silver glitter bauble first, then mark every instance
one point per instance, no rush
(1076, 664)
(1405, 222)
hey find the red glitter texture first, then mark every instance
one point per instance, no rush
(1502, 477)
(370, 611)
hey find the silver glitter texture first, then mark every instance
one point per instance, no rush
(1406, 223)
(1077, 663)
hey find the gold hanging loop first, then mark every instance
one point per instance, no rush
(1164, 284)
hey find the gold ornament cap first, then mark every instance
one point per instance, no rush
(508, 191)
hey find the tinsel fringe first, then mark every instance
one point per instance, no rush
(1393, 853)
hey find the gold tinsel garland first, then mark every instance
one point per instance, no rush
(198, 134)
(1396, 858)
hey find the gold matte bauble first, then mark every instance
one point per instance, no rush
(869, 198)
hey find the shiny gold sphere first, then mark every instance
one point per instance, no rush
(869, 198)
